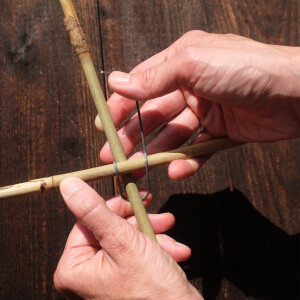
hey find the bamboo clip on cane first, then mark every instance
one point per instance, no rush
(121, 164)
(81, 46)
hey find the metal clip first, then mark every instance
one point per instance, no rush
(145, 156)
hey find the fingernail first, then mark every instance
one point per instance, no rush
(98, 123)
(119, 78)
(69, 186)
(137, 155)
(180, 245)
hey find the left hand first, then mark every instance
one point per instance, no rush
(107, 257)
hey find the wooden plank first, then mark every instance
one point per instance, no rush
(244, 201)
(246, 243)
(47, 127)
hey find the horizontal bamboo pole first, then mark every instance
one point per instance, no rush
(52, 182)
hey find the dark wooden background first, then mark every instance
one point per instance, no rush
(240, 213)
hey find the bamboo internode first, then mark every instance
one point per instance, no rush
(52, 182)
(80, 44)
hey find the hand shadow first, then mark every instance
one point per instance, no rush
(230, 239)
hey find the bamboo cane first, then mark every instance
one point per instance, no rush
(81, 46)
(52, 182)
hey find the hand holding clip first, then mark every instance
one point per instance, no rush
(227, 84)
(107, 257)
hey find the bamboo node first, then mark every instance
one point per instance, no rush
(5, 187)
(43, 185)
(77, 38)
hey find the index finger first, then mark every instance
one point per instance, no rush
(120, 106)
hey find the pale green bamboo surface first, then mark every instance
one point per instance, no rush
(108, 125)
(128, 166)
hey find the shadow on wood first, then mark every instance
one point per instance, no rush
(230, 239)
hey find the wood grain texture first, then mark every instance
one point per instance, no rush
(47, 126)
(243, 202)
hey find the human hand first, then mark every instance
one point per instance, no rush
(231, 85)
(107, 257)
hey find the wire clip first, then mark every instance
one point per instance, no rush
(145, 156)
(144, 149)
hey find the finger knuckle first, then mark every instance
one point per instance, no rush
(88, 207)
(61, 279)
(186, 40)
(125, 242)
(87, 202)
(231, 36)
(190, 53)
(148, 78)
(117, 206)
(193, 34)
(191, 62)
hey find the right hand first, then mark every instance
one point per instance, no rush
(231, 85)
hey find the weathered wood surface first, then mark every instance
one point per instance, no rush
(244, 202)
(47, 127)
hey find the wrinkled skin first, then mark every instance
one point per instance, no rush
(231, 85)
(107, 257)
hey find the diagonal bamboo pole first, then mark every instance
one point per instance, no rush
(81, 46)
(52, 182)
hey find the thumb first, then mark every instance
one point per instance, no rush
(160, 79)
(91, 211)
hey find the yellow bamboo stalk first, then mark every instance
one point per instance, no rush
(52, 182)
(81, 46)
